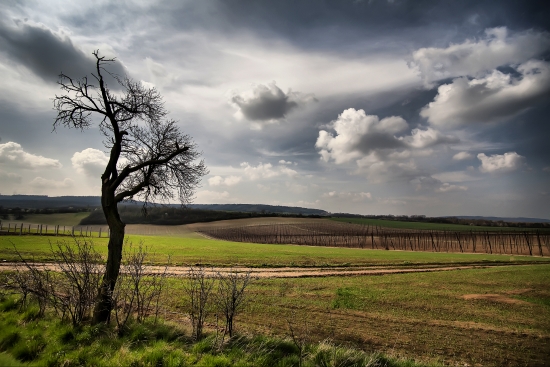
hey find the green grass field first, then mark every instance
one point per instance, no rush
(62, 219)
(421, 314)
(425, 226)
(184, 250)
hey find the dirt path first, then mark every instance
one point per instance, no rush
(287, 272)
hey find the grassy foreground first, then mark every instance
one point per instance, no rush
(184, 251)
(490, 317)
(26, 340)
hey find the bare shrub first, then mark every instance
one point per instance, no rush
(198, 289)
(77, 285)
(136, 291)
(30, 279)
(230, 296)
(300, 337)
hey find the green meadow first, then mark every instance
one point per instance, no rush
(187, 250)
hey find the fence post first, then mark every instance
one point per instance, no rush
(99, 232)
(72, 231)
(21, 229)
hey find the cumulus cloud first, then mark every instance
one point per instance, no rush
(429, 183)
(374, 144)
(9, 177)
(268, 103)
(221, 181)
(266, 171)
(348, 196)
(447, 187)
(12, 154)
(428, 138)
(506, 162)
(460, 156)
(212, 197)
(282, 161)
(44, 183)
(471, 57)
(494, 97)
(48, 53)
(90, 161)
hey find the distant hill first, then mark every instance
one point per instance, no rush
(44, 201)
(259, 208)
(505, 219)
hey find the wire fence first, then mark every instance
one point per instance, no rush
(533, 242)
(22, 228)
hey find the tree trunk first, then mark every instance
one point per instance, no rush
(102, 311)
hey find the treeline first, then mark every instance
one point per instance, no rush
(18, 213)
(449, 220)
(176, 216)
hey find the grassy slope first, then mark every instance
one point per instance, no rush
(427, 226)
(49, 342)
(212, 252)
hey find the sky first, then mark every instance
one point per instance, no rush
(400, 107)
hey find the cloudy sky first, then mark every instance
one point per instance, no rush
(371, 107)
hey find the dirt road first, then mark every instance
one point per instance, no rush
(285, 272)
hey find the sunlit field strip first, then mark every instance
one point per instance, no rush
(223, 253)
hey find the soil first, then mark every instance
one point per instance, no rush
(495, 298)
(286, 272)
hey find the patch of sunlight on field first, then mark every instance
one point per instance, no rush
(187, 250)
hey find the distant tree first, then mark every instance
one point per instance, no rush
(150, 158)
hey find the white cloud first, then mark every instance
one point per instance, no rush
(9, 177)
(12, 154)
(282, 161)
(374, 145)
(506, 162)
(212, 197)
(446, 187)
(456, 176)
(428, 138)
(471, 57)
(44, 183)
(348, 196)
(430, 183)
(227, 181)
(494, 97)
(266, 171)
(91, 162)
(460, 156)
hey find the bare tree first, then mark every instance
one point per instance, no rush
(150, 158)
(231, 296)
(198, 289)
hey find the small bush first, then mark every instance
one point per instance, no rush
(9, 340)
(28, 350)
(9, 304)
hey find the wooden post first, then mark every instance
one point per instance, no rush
(9, 227)
(21, 229)
(72, 231)
(99, 235)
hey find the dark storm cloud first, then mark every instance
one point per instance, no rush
(269, 103)
(333, 23)
(46, 53)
